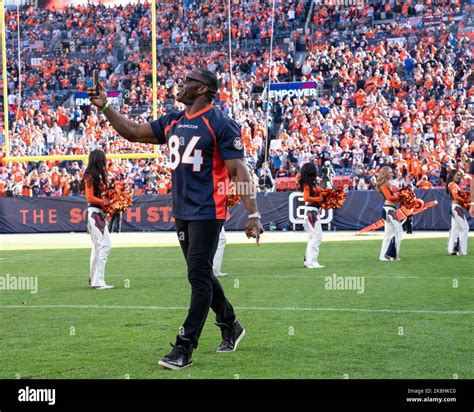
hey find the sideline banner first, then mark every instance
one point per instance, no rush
(149, 213)
(154, 213)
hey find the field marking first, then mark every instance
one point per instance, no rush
(155, 240)
(298, 258)
(245, 275)
(254, 308)
(181, 259)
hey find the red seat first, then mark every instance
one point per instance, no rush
(285, 183)
(340, 181)
(280, 184)
(292, 183)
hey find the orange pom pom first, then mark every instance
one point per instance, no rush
(333, 198)
(117, 201)
(407, 197)
(466, 197)
(233, 198)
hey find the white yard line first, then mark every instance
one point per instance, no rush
(53, 241)
(254, 308)
(246, 275)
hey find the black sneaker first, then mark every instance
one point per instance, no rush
(230, 336)
(179, 358)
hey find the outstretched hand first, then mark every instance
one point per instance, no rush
(254, 229)
(97, 96)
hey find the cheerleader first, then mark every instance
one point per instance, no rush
(457, 243)
(312, 223)
(95, 184)
(393, 229)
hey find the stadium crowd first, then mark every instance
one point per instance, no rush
(399, 92)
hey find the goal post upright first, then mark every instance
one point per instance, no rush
(6, 127)
(153, 67)
(84, 157)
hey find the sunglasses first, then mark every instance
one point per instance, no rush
(188, 79)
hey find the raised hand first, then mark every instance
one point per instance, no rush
(97, 96)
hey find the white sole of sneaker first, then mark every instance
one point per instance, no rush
(236, 343)
(239, 339)
(173, 367)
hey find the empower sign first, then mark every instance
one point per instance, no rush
(81, 98)
(279, 91)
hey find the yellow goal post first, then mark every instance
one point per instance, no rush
(84, 157)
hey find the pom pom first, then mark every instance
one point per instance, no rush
(233, 198)
(466, 198)
(117, 201)
(333, 198)
(407, 198)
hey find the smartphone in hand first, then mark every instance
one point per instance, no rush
(94, 83)
(95, 80)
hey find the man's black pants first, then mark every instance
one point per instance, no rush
(199, 239)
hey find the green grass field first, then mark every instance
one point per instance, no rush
(410, 322)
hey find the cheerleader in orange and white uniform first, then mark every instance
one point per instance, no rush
(312, 222)
(458, 235)
(393, 228)
(95, 184)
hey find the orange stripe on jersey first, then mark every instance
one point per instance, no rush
(199, 113)
(167, 128)
(220, 176)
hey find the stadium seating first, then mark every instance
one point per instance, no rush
(285, 183)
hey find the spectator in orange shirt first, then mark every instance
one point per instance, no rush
(424, 183)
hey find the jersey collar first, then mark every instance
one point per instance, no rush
(199, 113)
